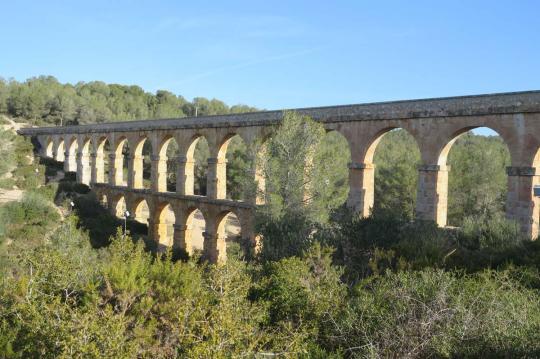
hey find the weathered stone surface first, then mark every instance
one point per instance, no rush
(435, 124)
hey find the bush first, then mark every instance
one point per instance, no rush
(29, 219)
(489, 232)
(436, 314)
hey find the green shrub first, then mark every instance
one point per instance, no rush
(436, 314)
(30, 218)
(7, 183)
(489, 232)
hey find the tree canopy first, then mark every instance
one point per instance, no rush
(44, 100)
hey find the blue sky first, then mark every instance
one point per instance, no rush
(279, 54)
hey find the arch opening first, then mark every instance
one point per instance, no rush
(395, 155)
(122, 163)
(49, 149)
(102, 160)
(198, 154)
(233, 154)
(119, 206)
(141, 212)
(477, 159)
(142, 164)
(195, 229)
(165, 227)
(103, 200)
(60, 151)
(229, 237)
(330, 174)
(170, 153)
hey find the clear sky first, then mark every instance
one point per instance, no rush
(273, 54)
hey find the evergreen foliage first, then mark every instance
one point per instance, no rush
(45, 101)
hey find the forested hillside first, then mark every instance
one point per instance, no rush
(45, 101)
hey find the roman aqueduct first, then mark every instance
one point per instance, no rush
(435, 124)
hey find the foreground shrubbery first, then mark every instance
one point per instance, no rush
(65, 299)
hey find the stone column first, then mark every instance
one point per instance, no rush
(180, 241)
(362, 188)
(116, 170)
(70, 162)
(98, 167)
(58, 154)
(185, 175)
(152, 229)
(432, 193)
(83, 168)
(216, 185)
(212, 252)
(135, 171)
(521, 205)
(159, 174)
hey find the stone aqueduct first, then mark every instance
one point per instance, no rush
(435, 124)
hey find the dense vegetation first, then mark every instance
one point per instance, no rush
(325, 284)
(43, 100)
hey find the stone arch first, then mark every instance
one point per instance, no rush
(168, 154)
(447, 177)
(196, 173)
(49, 147)
(70, 162)
(101, 197)
(118, 205)
(442, 152)
(164, 220)
(221, 182)
(60, 150)
(101, 166)
(118, 171)
(196, 223)
(229, 235)
(140, 211)
(140, 162)
(376, 139)
(363, 175)
(83, 160)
